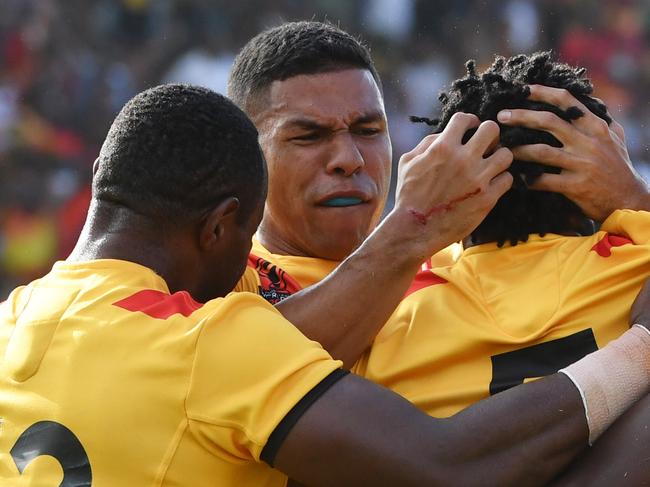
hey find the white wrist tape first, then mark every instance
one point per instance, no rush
(610, 380)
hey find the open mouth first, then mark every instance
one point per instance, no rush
(342, 201)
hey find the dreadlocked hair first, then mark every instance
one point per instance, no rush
(504, 85)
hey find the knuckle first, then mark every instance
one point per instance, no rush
(601, 127)
(547, 119)
(431, 138)
(560, 96)
(491, 128)
(457, 117)
(504, 155)
(463, 117)
(442, 148)
(491, 125)
(544, 151)
(405, 159)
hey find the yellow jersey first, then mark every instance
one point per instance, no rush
(107, 379)
(276, 277)
(501, 316)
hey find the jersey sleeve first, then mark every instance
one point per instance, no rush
(630, 223)
(251, 368)
(249, 282)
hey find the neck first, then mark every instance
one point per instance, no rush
(116, 232)
(273, 242)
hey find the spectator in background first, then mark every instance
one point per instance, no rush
(67, 66)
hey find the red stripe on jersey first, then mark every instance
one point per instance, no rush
(160, 305)
(605, 244)
(424, 279)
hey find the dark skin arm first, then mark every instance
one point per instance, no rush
(527, 435)
(382, 440)
(620, 456)
(444, 190)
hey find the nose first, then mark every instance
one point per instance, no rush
(345, 158)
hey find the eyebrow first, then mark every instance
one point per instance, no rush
(311, 124)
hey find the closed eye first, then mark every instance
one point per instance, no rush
(306, 137)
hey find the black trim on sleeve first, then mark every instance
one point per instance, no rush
(289, 421)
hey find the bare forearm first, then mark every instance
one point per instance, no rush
(369, 436)
(619, 457)
(523, 436)
(345, 311)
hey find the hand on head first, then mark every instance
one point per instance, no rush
(448, 187)
(597, 173)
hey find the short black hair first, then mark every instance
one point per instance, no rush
(292, 49)
(522, 211)
(175, 151)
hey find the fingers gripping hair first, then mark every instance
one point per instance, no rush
(505, 84)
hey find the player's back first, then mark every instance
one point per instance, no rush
(501, 316)
(94, 385)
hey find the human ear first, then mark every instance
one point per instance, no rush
(216, 223)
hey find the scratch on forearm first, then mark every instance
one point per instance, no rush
(423, 218)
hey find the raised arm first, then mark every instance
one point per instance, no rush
(444, 190)
(597, 173)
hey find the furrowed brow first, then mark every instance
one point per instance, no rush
(304, 123)
(311, 124)
(370, 117)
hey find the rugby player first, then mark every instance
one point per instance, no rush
(315, 97)
(113, 374)
(536, 287)
(307, 86)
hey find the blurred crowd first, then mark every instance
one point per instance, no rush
(67, 66)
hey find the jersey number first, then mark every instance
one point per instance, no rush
(511, 368)
(54, 439)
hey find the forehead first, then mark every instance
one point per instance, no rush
(331, 96)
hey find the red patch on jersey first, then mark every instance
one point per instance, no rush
(275, 283)
(424, 278)
(160, 305)
(605, 244)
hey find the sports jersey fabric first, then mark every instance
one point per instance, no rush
(502, 316)
(276, 277)
(476, 322)
(106, 377)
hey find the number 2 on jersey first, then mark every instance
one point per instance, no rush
(54, 439)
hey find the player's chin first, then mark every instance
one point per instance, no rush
(337, 240)
(347, 219)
